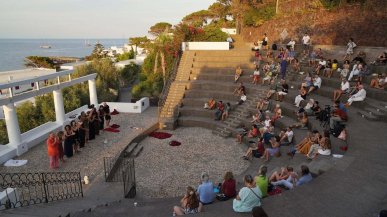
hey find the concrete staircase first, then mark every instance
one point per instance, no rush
(168, 113)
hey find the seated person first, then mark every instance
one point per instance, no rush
(301, 97)
(295, 180)
(355, 70)
(263, 104)
(242, 131)
(255, 151)
(258, 117)
(321, 66)
(253, 132)
(308, 80)
(319, 54)
(381, 60)
(266, 125)
(296, 65)
(354, 88)
(344, 88)
(262, 181)
(286, 137)
(248, 197)
(338, 116)
(316, 83)
(210, 104)
(335, 65)
(364, 71)
(323, 143)
(302, 121)
(357, 97)
(344, 72)
(311, 108)
(273, 151)
(206, 190)
(283, 175)
(312, 58)
(268, 133)
(189, 203)
(268, 77)
(219, 111)
(228, 186)
(328, 69)
(283, 92)
(255, 47)
(238, 73)
(380, 82)
(256, 74)
(242, 99)
(277, 113)
(240, 90)
(272, 90)
(361, 56)
(226, 111)
(304, 146)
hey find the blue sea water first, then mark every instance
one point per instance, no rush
(14, 51)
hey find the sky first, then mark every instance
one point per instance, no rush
(90, 18)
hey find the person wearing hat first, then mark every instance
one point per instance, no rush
(206, 190)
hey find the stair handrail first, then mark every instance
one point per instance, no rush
(169, 81)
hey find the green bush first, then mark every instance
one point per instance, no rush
(256, 16)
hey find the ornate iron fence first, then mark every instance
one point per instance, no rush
(121, 170)
(24, 189)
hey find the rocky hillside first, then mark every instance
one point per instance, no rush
(367, 24)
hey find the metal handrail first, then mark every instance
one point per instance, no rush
(170, 80)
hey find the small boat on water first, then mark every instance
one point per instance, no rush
(45, 46)
(87, 43)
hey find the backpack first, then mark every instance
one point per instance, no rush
(274, 46)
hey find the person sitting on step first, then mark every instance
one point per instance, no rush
(321, 66)
(242, 99)
(316, 83)
(228, 186)
(295, 180)
(206, 190)
(323, 144)
(263, 104)
(301, 97)
(344, 88)
(253, 132)
(255, 151)
(262, 181)
(381, 60)
(242, 131)
(303, 121)
(277, 113)
(273, 151)
(248, 197)
(282, 175)
(344, 72)
(379, 82)
(283, 92)
(219, 111)
(240, 90)
(189, 203)
(226, 111)
(238, 73)
(358, 97)
(272, 89)
(286, 136)
(256, 75)
(258, 117)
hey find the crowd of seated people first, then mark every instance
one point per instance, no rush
(77, 134)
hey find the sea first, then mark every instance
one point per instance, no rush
(14, 51)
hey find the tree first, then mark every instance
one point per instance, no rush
(98, 51)
(159, 28)
(3, 133)
(28, 116)
(198, 18)
(45, 107)
(137, 41)
(220, 10)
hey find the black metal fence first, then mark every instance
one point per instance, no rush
(120, 169)
(24, 189)
(129, 179)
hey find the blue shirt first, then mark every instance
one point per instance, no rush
(342, 107)
(304, 179)
(206, 192)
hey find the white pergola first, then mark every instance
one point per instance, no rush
(8, 103)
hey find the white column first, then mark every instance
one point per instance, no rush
(59, 107)
(11, 121)
(93, 93)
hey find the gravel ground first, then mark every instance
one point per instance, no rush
(163, 171)
(90, 161)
